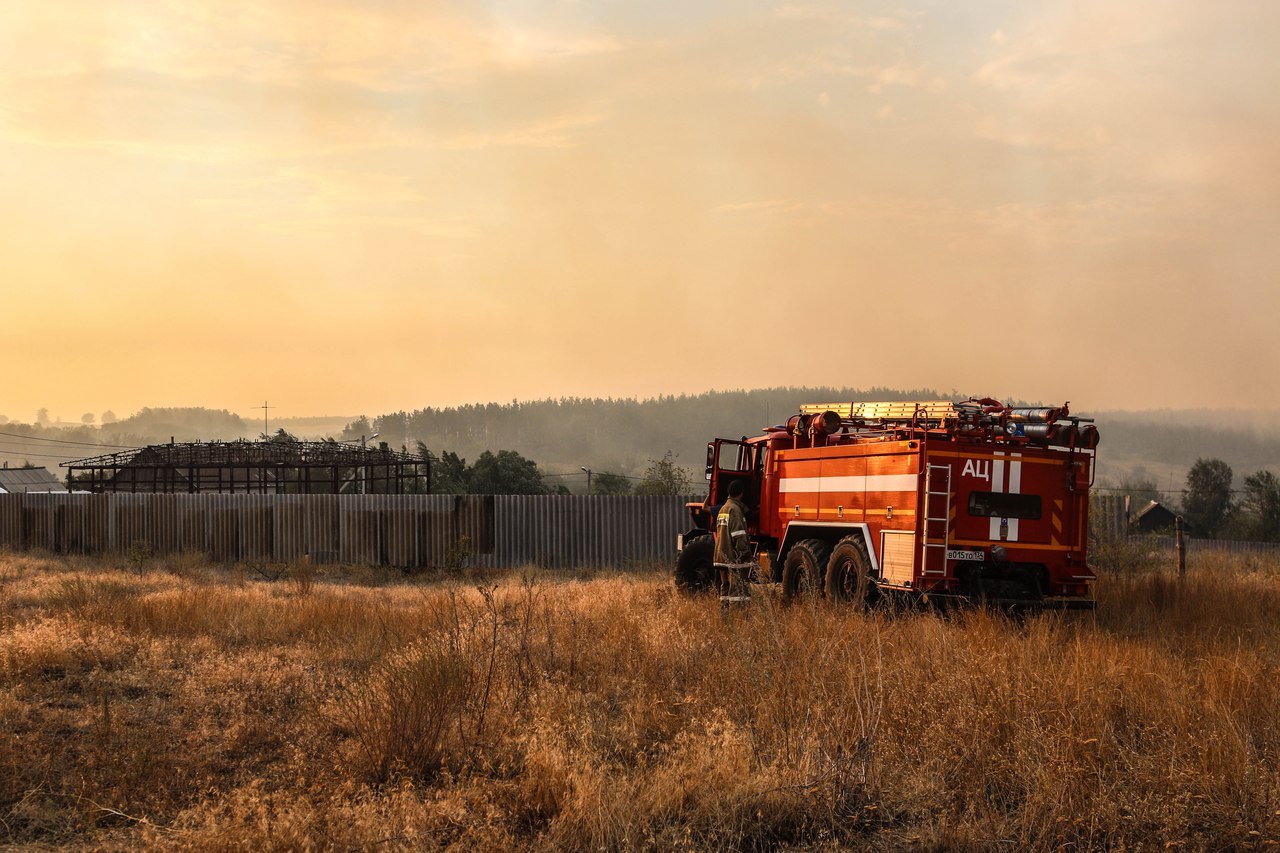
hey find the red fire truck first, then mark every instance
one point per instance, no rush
(942, 501)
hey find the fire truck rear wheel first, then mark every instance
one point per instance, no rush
(802, 571)
(695, 567)
(849, 572)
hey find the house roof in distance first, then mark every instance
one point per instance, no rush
(21, 480)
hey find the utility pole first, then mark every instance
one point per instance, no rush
(266, 430)
(588, 470)
(364, 468)
(1180, 547)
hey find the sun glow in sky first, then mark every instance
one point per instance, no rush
(347, 206)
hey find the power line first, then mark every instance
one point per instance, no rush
(5, 442)
(65, 441)
(596, 473)
(12, 454)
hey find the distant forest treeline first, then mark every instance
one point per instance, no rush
(607, 434)
(1160, 445)
(622, 435)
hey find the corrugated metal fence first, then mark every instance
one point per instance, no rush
(390, 530)
(1231, 546)
(1108, 519)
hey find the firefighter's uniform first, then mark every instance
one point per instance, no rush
(733, 548)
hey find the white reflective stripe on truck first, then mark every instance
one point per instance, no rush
(853, 483)
(1014, 488)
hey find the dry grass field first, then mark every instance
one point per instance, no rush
(203, 707)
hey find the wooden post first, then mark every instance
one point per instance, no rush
(1180, 546)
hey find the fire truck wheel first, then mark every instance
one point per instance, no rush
(695, 569)
(849, 572)
(802, 571)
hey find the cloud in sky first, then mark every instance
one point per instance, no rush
(351, 206)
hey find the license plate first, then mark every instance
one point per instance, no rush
(964, 555)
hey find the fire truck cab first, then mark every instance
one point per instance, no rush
(937, 500)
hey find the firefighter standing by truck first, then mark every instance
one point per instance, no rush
(733, 545)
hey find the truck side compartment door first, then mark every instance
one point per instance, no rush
(842, 480)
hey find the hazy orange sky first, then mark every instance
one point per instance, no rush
(347, 207)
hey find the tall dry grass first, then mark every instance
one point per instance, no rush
(199, 709)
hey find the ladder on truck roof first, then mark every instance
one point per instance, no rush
(931, 410)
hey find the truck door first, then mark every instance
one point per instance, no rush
(727, 461)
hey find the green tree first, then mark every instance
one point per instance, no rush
(1260, 507)
(157, 426)
(360, 426)
(1208, 500)
(606, 483)
(393, 427)
(505, 473)
(448, 471)
(665, 477)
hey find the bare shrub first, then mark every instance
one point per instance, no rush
(185, 563)
(302, 576)
(399, 712)
(140, 555)
(1128, 555)
(458, 554)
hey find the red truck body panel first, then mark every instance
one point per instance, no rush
(941, 497)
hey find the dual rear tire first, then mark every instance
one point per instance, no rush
(843, 573)
(849, 573)
(812, 568)
(804, 569)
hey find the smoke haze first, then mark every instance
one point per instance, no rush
(351, 206)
